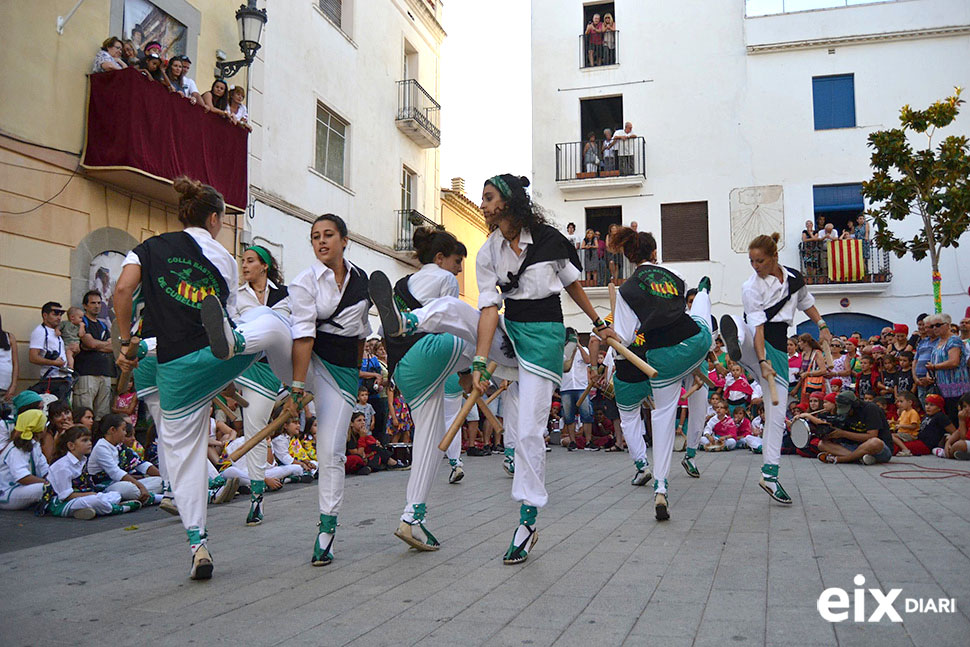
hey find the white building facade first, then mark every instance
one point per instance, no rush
(345, 120)
(753, 119)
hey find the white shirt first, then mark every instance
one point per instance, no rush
(759, 293)
(574, 238)
(314, 295)
(496, 259)
(64, 470)
(241, 114)
(281, 450)
(824, 235)
(623, 146)
(104, 458)
(190, 86)
(625, 320)
(15, 465)
(216, 254)
(575, 379)
(431, 282)
(246, 299)
(45, 339)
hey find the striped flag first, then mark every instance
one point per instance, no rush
(846, 263)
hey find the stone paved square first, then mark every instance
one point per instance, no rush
(729, 568)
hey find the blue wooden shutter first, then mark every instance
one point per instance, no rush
(833, 98)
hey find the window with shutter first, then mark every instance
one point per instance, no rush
(332, 9)
(683, 232)
(833, 101)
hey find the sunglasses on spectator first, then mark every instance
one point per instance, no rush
(936, 325)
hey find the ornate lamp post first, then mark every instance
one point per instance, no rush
(250, 21)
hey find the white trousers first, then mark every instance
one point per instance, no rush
(332, 426)
(255, 417)
(454, 316)
(130, 492)
(633, 429)
(23, 496)
(510, 417)
(451, 407)
(774, 413)
(155, 411)
(101, 503)
(277, 472)
(185, 442)
(429, 429)
(528, 436)
(267, 331)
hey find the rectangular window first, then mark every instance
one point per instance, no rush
(331, 140)
(833, 99)
(333, 10)
(407, 189)
(683, 231)
(837, 204)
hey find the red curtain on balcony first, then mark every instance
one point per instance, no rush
(138, 124)
(846, 262)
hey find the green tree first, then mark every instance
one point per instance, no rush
(930, 183)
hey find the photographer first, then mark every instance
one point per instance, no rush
(863, 434)
(47, 351)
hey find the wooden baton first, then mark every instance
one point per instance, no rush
(466, 408)
(699, 374)
(772, 389)
(124, 380)
(645, 368)
(232, 392)
(268, 430)
(582, 396)
(497, 393)
(223, 407)
(827, 352)
(496, 425)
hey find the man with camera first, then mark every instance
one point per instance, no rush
(862, 434)
(47, 351)
(95, 363)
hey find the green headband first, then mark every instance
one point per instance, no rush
(262, 253)
(501, 185)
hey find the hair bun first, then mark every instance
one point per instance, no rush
(524, 180)
(776, 236)
(188, 187)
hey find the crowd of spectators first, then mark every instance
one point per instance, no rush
(615, 154)
(599, 40)
(600, 265)
(173, 73)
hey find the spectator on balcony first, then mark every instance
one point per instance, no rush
(608, 152)
(152, 47)
(151, 67)
(572, 236)
(862, 229)
(237, 108)
(109, 57)
(175, 74)
(590, 261)
(594, 41)
(591, 158)
(625, 145)
(129, 54)
(217, 97)
(614, 260)
(849, 232)
(634, 225)
(948, 363)
(609, 40)
(193, 89)
(809, 232)
(601, 257)
(829, 232)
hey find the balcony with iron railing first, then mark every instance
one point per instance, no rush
(418, 114)
(407, 221)
(599, 49)
(140, 137)
(844, 266)
(601, 164)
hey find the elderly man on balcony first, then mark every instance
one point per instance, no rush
(624, 143)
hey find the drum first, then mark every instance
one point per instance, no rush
(401, 452)
(800, 433)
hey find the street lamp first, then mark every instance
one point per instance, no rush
(250, 21)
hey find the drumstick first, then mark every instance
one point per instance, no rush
(231, 392)
(827, 352)
(497, 393)
(268, 430)
(230, 416)
(466, 408)
(124, 380)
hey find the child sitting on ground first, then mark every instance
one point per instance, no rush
(365, 408)
(303, 447)
(301, 471)
(23, 467)
(907, 423)
(71, 330)
(748, 436)
(377, 456)
(737, 389)
(720, 432)
(126, 404)
(104, 466)
(71, 492)
(957, 444)
(356, 462)
(399, 423)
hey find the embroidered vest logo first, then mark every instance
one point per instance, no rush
(192, 283)
(657, 283)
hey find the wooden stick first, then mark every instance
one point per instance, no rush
(771, 388)
(230, 416)
(497, 393)
(268, 430)
(496, 425)
(232, 392)
(648, 370)
(827, 352)
(699, 374)
(582, 396)
(124, 380)
(466, 408)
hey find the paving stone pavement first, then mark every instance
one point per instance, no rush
(729, 568)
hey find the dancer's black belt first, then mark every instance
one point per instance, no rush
(531, 310)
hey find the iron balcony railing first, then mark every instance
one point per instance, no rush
(601, 270)
(414, 104)
(599, 49)
(601, 159)
(407, 221)
(843, 262)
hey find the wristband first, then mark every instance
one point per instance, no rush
(479, 365)
(762, 361)
(125, 342)
(599, 323)
(822, 325)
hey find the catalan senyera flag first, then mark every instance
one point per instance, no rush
(846, 262)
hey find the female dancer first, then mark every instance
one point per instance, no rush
(262, 286)
(770, 298)
(420, 365)
(185, 280)
(329, 305)
(653, 303)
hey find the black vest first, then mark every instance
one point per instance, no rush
(656, 296)
(340, 350)
(93, 362)
(548, 244)
(397, 347)
(175, 277)
(776, 333)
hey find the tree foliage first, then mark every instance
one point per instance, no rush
(932, 184)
